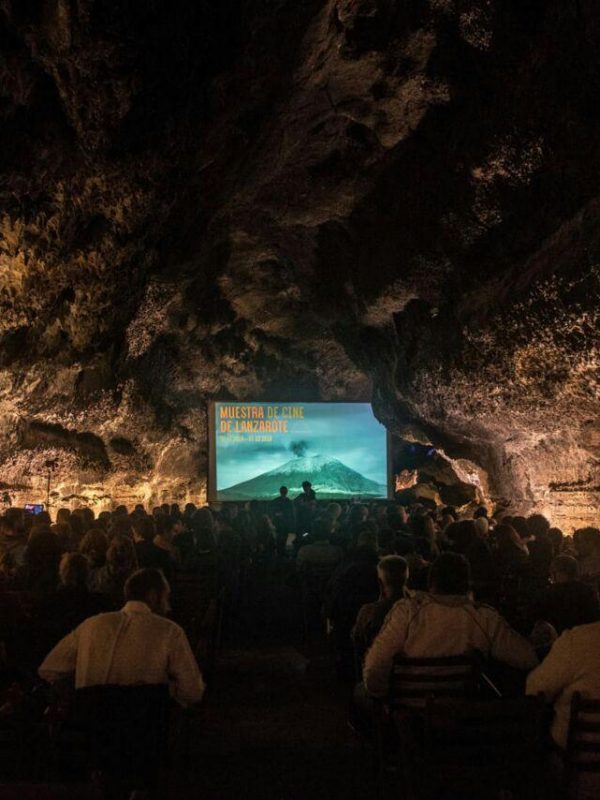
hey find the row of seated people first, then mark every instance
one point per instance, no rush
(427, 585)
(378, 560)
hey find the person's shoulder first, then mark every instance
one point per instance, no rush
(104, 618)
(584, 634)
(488, 612)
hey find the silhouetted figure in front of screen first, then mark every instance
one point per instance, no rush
(308, 493)
(283, 515)
(305, 507)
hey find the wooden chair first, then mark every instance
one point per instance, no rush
(582, 756)
(414, 681)
(477, 749)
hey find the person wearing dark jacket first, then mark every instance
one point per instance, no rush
(149, 555)
(568, 602)
(392, 573)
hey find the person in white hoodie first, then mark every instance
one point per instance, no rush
(445, 621)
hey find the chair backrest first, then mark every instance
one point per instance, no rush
(127, 727)
(479, 734)
(414, 680)
(583, 741)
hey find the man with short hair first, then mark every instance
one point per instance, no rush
(392, 573)
(443, 622)
(133, 646)
(124, 664)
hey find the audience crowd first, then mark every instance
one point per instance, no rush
(388, 579)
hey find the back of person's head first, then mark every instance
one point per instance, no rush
(143, 527)
(73, 570)
(393, 574)
(94, 546)
(450, 573)
(43, 548)
(481, 526)
(334, 511)
(42, 520)
(507, 538)
(88, 517)
(555, 535)
(189, 510)
(63, 515)
(203, 519)
(587, 541)
(521, 526)
(463, 534)
(146, 586)
(538, 525)
(120, 525)
(306, 485)
(564, 568)
(283, 490)
(121, 556)
(63, 531)
(479, 512)
(321, 528)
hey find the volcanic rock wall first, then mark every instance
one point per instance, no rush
(333, 199)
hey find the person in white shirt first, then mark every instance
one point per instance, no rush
(443, 622)
(134, 646)
(572, 665)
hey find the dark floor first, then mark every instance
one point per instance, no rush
(275, 726)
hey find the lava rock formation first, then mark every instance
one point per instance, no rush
(326, 199)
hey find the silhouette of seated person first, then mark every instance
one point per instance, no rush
(13, 542)
(149, 555)
(445, 621)
(125, 665)
(121, 562)
(587, 546)
(392, 576)
(353, 584)
(568, 601)
(319, 555)
(72, 602)
(283, 514)
(39, 573)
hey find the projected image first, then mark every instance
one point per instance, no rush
(339, 447)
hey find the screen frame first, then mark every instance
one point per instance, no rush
(211, 477)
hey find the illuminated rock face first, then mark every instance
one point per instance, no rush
(328, 199)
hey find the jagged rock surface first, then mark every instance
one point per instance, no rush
(325, 199)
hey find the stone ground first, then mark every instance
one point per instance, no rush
(274, 724)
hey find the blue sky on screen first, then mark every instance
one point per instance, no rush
(347, 431)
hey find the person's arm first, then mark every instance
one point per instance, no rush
(186, 679)
(556, 670)
(510, 647)
(61, 660)
(380, 657)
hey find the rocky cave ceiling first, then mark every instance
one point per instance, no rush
(337, 199)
